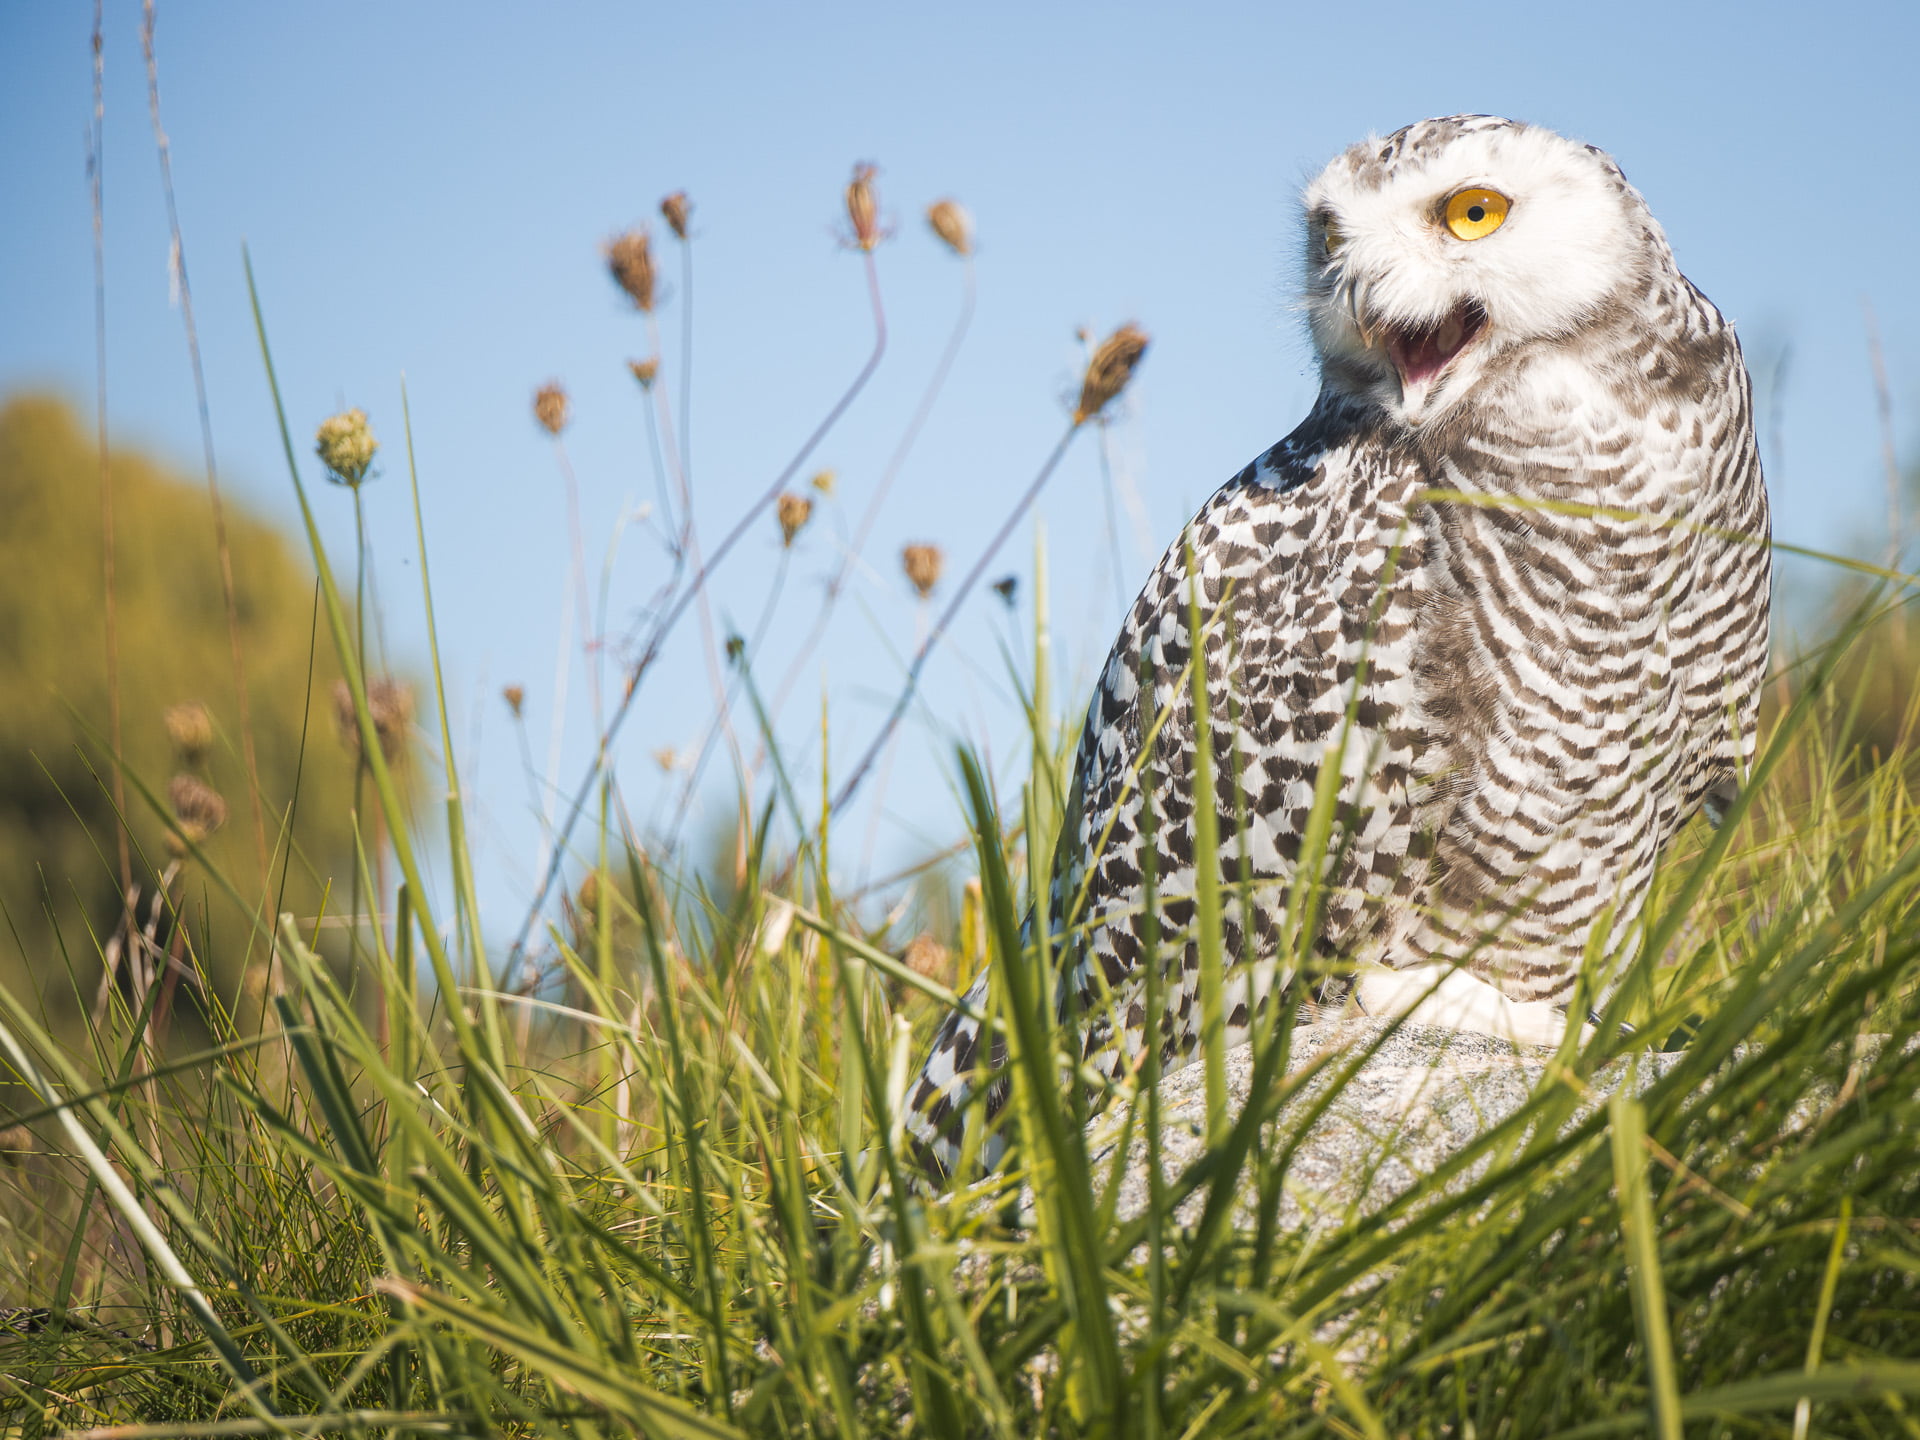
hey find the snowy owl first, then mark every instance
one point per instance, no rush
(1510, 576)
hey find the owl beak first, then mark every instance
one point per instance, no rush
(1421, 353)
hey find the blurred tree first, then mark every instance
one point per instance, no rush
(1876, 706)
(1876, 700)
(58, 854)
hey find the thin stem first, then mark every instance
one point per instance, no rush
(689, 548)
(1889, 457)
(852, 782)
(686, 359)
(668, 521)
(359, 582)
(96, 165)
(733, 690)
(466, 899)
(605, 599)
(589, 641)
(671, 533)
(664, 625)
(557, 727)
(360, 757)
(179, 255)
(526, 764)
(838, 584)
(293, 804)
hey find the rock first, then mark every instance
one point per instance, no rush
(1423, 1095)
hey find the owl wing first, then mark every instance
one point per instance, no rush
(1306, 568)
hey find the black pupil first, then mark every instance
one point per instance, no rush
(1476, 213)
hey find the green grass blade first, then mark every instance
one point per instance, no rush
(1060, 1148)
(653, 1412)
(1627, 1132)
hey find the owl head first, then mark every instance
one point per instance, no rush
(1441, 251)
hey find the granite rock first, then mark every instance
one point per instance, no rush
(1425, 1093)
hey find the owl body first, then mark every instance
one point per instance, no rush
(1509, 577)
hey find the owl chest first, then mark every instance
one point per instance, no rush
(1545, 661)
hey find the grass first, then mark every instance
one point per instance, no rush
(667, 1191)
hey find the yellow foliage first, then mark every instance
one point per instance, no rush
(58, 851)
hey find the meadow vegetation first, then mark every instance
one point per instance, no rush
(642, 1170)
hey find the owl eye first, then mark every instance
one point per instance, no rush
(1331, 236)
(1474, 213)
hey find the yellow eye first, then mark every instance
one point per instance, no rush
(1331, 236)
(1474, 214)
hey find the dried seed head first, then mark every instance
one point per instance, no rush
(343, 715)
(515, 696)
(1007, 587)
(630, 259)
(1109, 371)
(345, 445)
(795, 511)
(190, 728)
(588, 900)
(863, 211)
(667, 758)
(823, 481)
(550, 408)
(922, 564)
(197, 806)
(952, 224)
(644, 371)
(676, 208)
(389, 706)
(927, 957)
(16, 1143)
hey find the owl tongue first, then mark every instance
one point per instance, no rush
(1421, 354)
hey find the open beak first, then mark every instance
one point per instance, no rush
(1419, 355)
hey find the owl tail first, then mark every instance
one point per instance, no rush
(941, 1108)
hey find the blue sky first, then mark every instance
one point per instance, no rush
(424, 189)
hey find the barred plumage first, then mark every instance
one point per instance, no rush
(1521, 538)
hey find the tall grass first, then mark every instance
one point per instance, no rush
(670, 1193)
